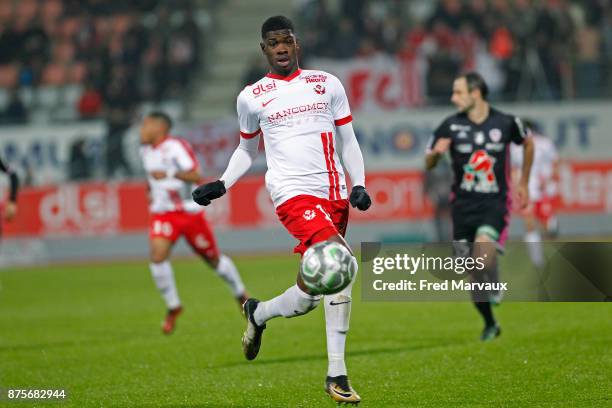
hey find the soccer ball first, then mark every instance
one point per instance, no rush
(327, 268)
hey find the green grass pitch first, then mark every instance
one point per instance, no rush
(94, 330)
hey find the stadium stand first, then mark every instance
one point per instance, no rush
(529, 49)
(64, 60)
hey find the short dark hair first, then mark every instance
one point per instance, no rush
(163, 116)
(532, 125)
(276, 23)
(476, 81)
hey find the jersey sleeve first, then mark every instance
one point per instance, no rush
(442, 131)
(340, 108)
(247, 119)
(516, 156)
(517, 131)
(184, 157)
(551, 151)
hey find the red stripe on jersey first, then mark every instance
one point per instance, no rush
(187, 146)
(176, 199)
(284, 78)
(333, 165)
(325, 142)
(343, 121)
(250, 135)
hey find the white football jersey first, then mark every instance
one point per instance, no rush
(170, 194)
(544, 157)
(297, 116)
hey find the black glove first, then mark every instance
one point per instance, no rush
(359, 198)
(207, 192)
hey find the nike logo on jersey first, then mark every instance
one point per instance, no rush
(264, 104)
(332, 303)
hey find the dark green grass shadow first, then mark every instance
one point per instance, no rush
(357, 353)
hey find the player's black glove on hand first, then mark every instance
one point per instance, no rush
(359, 198)
(207, 192)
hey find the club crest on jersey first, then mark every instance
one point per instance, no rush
(495, 135)
(319, 89)
(478, 174)
(309, 215)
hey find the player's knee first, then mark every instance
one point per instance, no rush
(212, 261)
(158, 256)
(339, 239)
(483, 238)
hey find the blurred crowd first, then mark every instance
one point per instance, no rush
(527, 49)
(96, 57)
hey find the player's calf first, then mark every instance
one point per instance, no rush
(163, 276)
(293, 302)
(226, 270)
(337, 318)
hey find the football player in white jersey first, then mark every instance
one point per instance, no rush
(300, 114)
(543, 190)
(172, 170)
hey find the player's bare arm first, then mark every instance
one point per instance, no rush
(192, 176)
(440, 147)
(523, 190)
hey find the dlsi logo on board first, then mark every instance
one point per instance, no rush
(81, 209)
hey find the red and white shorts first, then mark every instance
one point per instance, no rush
(543, 209)
(194, 226)
(305, 216)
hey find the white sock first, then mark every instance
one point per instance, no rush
(229, 273)
(534, 247)
(164, 280)
(293, 302)
(337, 317)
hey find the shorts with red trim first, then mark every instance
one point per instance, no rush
(193, 226)
(543, 210)
(305, 216)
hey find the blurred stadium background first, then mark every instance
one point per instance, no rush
(76, 76)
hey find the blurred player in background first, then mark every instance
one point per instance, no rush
(8, 209)
(438, 183)
(477, 138)
(301, 114)
(543, 189)
(172, 169)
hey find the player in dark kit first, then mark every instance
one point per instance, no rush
(478, 139)
(9, 209)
